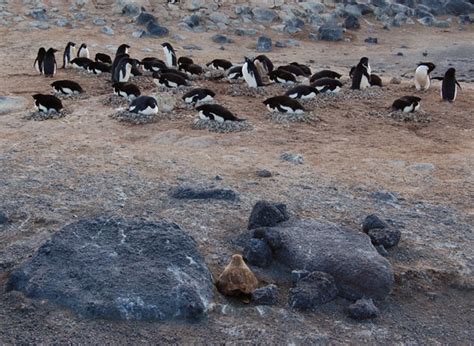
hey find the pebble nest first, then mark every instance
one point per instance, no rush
(40, 116)
(225, 127)
(288, 118)
(174, 91)
(244, 90)
(115, 101)
(417, 117)
(143, 82)
(81, 96)
(141, 119)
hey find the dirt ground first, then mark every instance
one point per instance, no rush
(87, 164)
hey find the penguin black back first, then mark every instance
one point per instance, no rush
(68, 54)
(170, 54)
(216, 112)
(449, 85)
(49, 64)
(103, 58)
(115, 63)
(185, 60)
(325, 74)
(67, 87)
(47, 103)
(296, 70)
(265, 62)
(39, 61)
(220, 64)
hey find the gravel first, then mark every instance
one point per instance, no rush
(225, 127)
(40, 116)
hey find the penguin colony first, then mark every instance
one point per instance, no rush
(176, 72)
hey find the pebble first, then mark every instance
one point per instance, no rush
(221, 39)
(225, 127)
(330, 32)
(3, 218)
(62, 22)
(99, 21)
(264, 44)
(396, 80)
(265, 295)
(263, 173)
(363, 309)
(296, 159)
(387, 237)
(39, 25)
(138, 33)
(245, 32)
(107, 30)
(371, 40)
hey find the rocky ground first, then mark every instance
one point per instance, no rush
(351, 160)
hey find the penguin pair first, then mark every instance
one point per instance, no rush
(361, 75)
(145, 105)
(198, 95)
(407, 104)
(45, 62)
(449, 85)
(126, 90)
(216, 113)
(324, 74)
(66, 87)
(283, 104)
(47, 103)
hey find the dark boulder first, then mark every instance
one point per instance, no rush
(205, 194)
(373, 221)
(330, 32)
(120, 270)
(363, 309)
(313, 290)
(145, 17)
(258, 253)
(347, 255)
(458, 7)
(297, 275)
(388, 237)
(266, 295)
(270, 235)
(351, 23)
(266, 214)
(264, 44)
(221, 39)
(3, 218)
(154, 29)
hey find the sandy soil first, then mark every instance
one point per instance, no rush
(87, 164)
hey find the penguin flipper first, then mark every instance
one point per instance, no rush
(437, 78)
(459, 85)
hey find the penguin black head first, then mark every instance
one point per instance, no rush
(247, 59)
(364, 61)
(122, 49)
(35, 96)
(83, 45)
(52, 50)
(430, 65)
(41, 51)
(71, 44)
(167, 45)
(451, 72)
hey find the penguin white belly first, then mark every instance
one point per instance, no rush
(249, 77)
(455, 92)
(309, 96)
(218, 118)
(37, 68)
(271, 109)
(172, 84)
(369, 69)
(42, 108)
(67, 91)
(295, 95)
(132, 108)
(189, 99)
(408, 109)
(364, 83)
(336, 90)
(287, 109)
(84, 53)
(422, 81)
(203, 116)
(97, 72)
(417, 107)
(124, 77)
(149, 110)
(208, 98)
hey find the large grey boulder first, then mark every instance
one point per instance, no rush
(120, 270)
(331, 32)
(459, 7)
(264, 15)
(347, 255)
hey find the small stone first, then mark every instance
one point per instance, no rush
(192, 20)
(237, 278)
(270, 235)
(297, 159)
(395, 80)
(459, 7)
(192, 47)
(351, 23)
(205, 194)
(107, 30)
(316, 289)
(62, 22)
(131, 10)
(388, 237)
(39, 25)
(353, 10)
(221, 39)
(371, 40)
(264, 44)
(399, 54)
(245, 32)
(293, 25)
(258, 253)
(363, 309)
(297, 275)
(145, 18)
(263, 173)
(265, 295)
(219, 17)
(373, 221)
(266, 214)
(426, 21)
(193, 5)
(80, 16)
(443, 24)
(99, 21)
(3, 218)
(38, 14)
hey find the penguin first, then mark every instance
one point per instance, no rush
(81, 63)
(123, 71)
(145, 105)
(449, 85)
(361, 75)
(375, 80)
(169, 80)
(422, 75)
(220, 64)
(97, 67)
(198, 95)
(69, 54)
(153, 65)
(83, 51)
(282, 76)
(295, 70)
(38, 64)
(170, 55)
(47, 103)
(250, 74)
(303, 92)
(216, 112)
(49, 63)
(305, 68)
(115, 63)
(407, 104)
(263, 64)
(325, 74)
(191, 69)
(283, 104)
(327, 85)
(103, 58)
(176, 72)
(234, 73)
(122, 49)
(66, 87)
(185, 60)
(126, 90)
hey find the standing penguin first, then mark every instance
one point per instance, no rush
(40, 60)
(170, 55)
(361, 76)
(69, 54)
(83, 51)
(123, 71)
(449, 86)
(250, 74)
(422, 75)
(49, 63)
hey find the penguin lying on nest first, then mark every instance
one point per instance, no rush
(283, 104)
